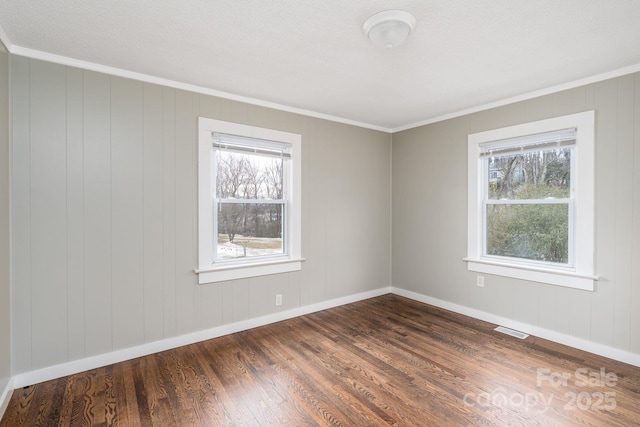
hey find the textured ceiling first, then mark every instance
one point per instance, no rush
(312, 55)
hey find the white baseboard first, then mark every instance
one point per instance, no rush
(73, 367)
(69, 368)
(571, 341)
(6, 396)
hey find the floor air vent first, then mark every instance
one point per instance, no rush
(511, 332)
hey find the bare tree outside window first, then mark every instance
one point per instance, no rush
(527, 210)
(249, 193)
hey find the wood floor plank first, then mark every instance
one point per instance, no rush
(383, 361)
(130, 413)
(274, 376)
(66, 410)
(249, 365)
(159, 408)
(302, 382)
(77, 395)
(19, 405)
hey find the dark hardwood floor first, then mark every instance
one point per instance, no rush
(386, 360)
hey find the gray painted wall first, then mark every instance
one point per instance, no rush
(430, 217)
(104, 214)
(5, 317)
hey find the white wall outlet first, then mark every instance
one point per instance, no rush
(480, 281)
(278, 299)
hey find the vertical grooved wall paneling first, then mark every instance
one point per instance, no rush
(75, 218)
(104, 213)
(606, 106)
(624, 213)
(186, 169)
(127, 202)
(634, 301)
(97, 214)
(153, 204)
(423, 202)
(48, 213)
(21, 302)
(168, 212)
(5, 227)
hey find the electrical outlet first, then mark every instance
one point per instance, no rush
(480, 281)
(278, 299)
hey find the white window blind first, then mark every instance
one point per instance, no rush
(522, 144)
(251, 145)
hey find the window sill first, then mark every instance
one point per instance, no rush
(536, 274)
(221, 273)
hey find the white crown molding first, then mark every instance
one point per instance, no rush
(535, 94)
(64, 60)
(119, 72)
(547, 334)
(72, 62)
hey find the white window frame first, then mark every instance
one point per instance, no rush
(580, 274)
(209, 271)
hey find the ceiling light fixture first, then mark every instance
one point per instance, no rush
(389, 28)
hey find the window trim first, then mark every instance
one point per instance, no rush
(581, 275)
(208, 271)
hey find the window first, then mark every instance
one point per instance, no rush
(249, 198)
(531, 213)
(249, 201)
(526, 200)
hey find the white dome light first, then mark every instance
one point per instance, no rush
(389, 28)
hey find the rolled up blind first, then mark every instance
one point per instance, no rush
(242, 144)
(536, 142)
